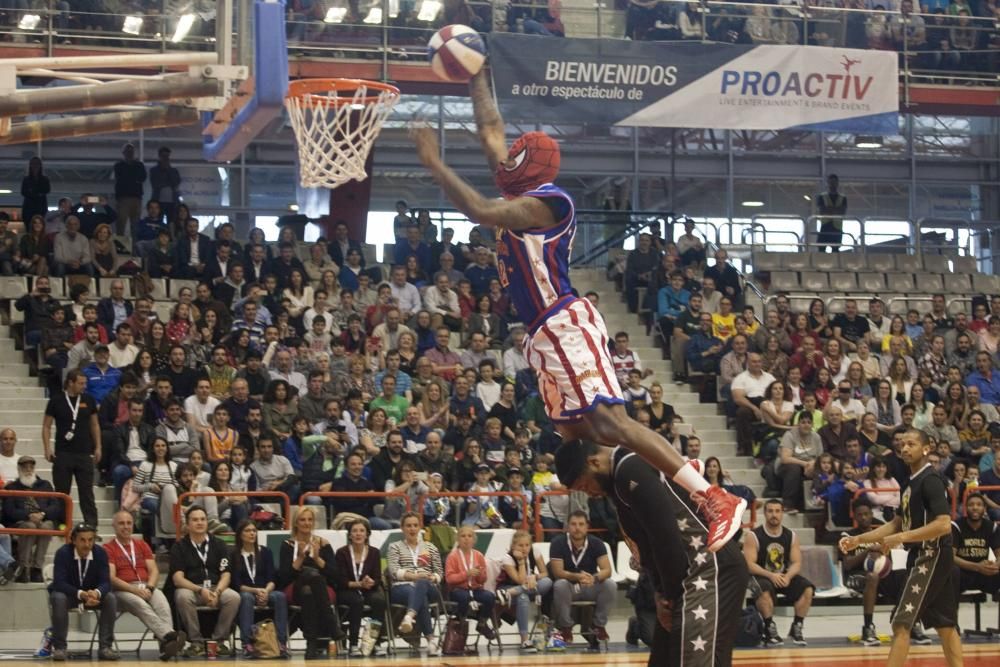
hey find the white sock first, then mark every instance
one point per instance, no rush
(692, 480)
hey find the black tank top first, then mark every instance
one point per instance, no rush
(773, 553)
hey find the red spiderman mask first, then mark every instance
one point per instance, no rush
(532, 161)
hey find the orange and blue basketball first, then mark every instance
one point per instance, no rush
(456, 52)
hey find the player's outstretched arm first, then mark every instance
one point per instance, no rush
(851, 542)
(488, 120)
(515, 214)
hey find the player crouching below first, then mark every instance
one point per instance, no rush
(705, 597)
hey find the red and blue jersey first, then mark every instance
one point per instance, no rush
(534, 264)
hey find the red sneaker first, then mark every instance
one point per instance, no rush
(724, 512)
(567, 635)
(600, 633)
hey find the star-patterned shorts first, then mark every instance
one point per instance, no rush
(930, 593)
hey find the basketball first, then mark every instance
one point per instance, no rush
(878, 564)
(456, 52)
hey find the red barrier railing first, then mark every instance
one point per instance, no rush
(67, 514)
(355, 495)
(489, 494)
(861, 492)
(275, 495)
(969, 490)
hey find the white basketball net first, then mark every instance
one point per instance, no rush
(335, 130)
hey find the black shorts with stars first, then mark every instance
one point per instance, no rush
(930, 594)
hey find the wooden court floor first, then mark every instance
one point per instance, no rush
(976, 655)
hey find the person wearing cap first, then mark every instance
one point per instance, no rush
(81, 576)
(130, 174)
(77, 441)
(31, 512)
(482, 511)
(165, 182)
(101, 377)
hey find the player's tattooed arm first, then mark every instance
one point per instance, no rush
(518, 214)
(488, 120)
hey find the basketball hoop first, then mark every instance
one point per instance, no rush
(335, 123)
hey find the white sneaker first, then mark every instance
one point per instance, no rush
(406, 625)
(433, 646)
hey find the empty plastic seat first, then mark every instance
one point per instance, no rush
(900, 282)
(825, 262)
(58, 287)
(159, 292)
(936, 264)
(13, 287)
(843, 281)
(909, 263)
(895, 303)
(796, 261)
(853, 261)
(104, 286)
(766, 261)
(177, 285)
(881, 263)
(784, 281)
(957, 283)
(964, 264)
(929, 282)
(986, 283)
(814, 281)
(871, 282)
(369, 253)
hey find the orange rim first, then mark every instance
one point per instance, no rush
(310, 90)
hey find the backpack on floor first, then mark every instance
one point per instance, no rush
(750, 632)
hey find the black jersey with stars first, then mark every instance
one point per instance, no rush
(924, 499)
(659, 516)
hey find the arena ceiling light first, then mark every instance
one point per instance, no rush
(335, 15)
(429, 10)
(29, 22)
(6, 192)
(374, 16)
(867, 141)
(753, 203)
(184, 25)
(132, 25)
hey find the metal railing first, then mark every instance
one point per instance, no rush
(862, 491)
(275, 496)
(969, 490)
(67, 514)
(355, 495)
(473, 496)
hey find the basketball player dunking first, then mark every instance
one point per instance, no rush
(567, 345)
(923, 527)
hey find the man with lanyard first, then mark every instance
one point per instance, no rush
(200, 572)
(80, 578)
(582, 572)
(923, 527)
(832, 203)
(77, 441)
(702, 599)
(135, 579)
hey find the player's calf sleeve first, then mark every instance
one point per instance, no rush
(690, 478)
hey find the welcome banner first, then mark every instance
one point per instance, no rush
(669, 84)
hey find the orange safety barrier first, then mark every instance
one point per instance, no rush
(489, 494)
(285, 500)
(965, 497)
(67, 514)
(863, 491)
(354, 494)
